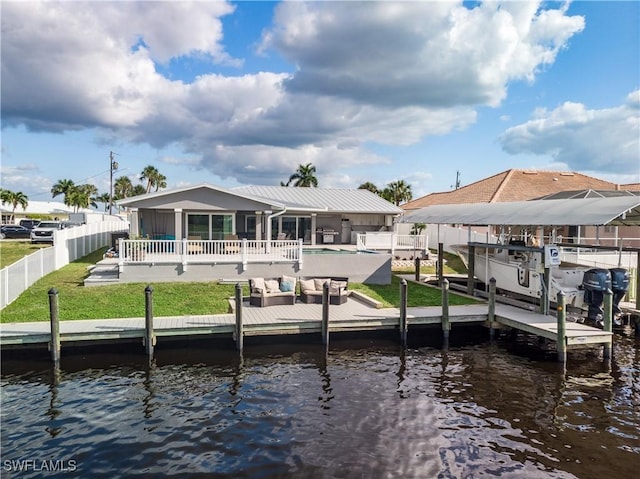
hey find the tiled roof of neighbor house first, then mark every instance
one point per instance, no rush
(334, 200)
(514, 185)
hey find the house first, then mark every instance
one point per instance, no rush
(523, 185)
(205, 232)
(314, 215)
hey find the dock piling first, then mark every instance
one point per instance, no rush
(608, 320)
(492, 307)
(149, 336)
(561, 341)
(446, 324)
(54, 344)
(440, 265)
(239, 327)
(471, 268)
(325, 314)
(403, 313)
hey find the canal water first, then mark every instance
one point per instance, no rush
(367, 409)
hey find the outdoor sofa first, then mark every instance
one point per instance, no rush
(272, 291)
(311, 289)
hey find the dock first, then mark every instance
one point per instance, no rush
(356, 315)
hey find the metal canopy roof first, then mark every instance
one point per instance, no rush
(616, 211)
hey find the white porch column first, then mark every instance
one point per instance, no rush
(313, 228)
(258, 225)
(178, 223)
(135, 222)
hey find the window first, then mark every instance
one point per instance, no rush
(210, 226)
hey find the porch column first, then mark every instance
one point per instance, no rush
(178, 223)
(135, 223)
(258, 225)
(313, 228)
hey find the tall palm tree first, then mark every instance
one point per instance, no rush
(63, 187)
(153, 178)
(304, 176)
(14, 198)
(369, 186)
(138, 190)
(397, 192)
(104, 198)
(161, 181)
(122, 188)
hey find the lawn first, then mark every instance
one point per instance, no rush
(12, 251)
(169, 299)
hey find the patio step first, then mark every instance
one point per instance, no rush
(103, 274)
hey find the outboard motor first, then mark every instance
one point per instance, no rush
(619, 287)
(595, 283)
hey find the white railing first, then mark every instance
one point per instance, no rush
(68, 245)
(391, 241)
(187, 251)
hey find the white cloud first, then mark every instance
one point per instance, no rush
(606, 141)
(383, 72)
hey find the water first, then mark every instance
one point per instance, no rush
(367, 410)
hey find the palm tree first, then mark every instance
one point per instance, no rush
(122, 188)
(63, 187)
(369, 186)
(104, 198)
(397, 192)
(153, 178)
(138, 190)
(14, 198)
(304, 176)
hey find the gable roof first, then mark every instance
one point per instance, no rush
(327, 199)
(514, 185)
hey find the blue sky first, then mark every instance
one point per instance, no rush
(243, 92)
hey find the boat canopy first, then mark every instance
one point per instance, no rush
(614, 211)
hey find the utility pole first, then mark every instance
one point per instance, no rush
(113, 165)
(457, 179)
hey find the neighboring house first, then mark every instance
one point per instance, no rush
(52, 210)
(208, 212)
(522, 185)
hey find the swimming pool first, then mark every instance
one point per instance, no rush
(335, 251)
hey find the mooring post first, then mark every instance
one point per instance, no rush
(546, 291)
(561, 319)
(446, 325)
(492, 307)
(403, 313)
(608, 320)
(54, 344)
(325, 313)
(440, 263)
(239, 327)
(149, 336)
(417, 266)
(471, 274)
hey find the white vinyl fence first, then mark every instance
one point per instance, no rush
(69, 245)
(377, 240)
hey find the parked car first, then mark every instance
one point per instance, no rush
(29, 224)
(44, 231)
(14, 231)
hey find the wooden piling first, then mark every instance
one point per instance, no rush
(403, 313)
(492, 307)
(54, 344)
(417, 267)
(608, 320)
(325, 314)
(446, 324)
(471, 267)
(440, 263)
(561, 318)
(239, 327)
(149, 336)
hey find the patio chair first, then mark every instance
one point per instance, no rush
(231, 248)
(194, 248)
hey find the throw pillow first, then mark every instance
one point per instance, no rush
(257, 285)
(272, 285)
(307, 285)
(286, 286)
(319, 283)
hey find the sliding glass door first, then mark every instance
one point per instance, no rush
(209, 226)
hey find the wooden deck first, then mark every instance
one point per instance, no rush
(354, 315)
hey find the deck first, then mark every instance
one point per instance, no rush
(355, 315)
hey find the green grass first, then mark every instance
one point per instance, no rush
(12, 251)
(417, 294)
(453, 265)
(75, 301)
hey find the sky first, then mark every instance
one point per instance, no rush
(239, 93)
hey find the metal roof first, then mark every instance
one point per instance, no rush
(323, 199)
(615, 211)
